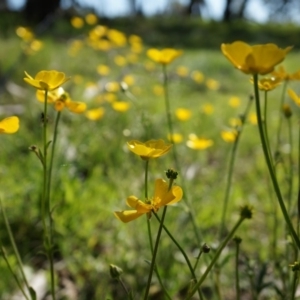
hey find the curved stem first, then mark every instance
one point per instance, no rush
(231, 166)
(215, 258)
(270, 166)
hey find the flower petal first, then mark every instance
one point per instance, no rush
(9, 125)
(127, 215)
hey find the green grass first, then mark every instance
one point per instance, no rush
(94, 172)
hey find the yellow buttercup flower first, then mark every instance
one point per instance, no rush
(182, 71)
(268, 83)
(282, 74)
(149, 149)
(294, 96)
(120, 106)
(95, 114)
(197, 76)
(183, 114)
(234, 102)
(162, 197)
(212, 84)
(257, 59)
(207, 108)
(61, 100)
(164, 56)
(9, 125)
(229, 136)
(253, 118)
(46, 80)
(103, 70)
(77, 22)
(176, 138)
(91, 19)
(198, 143)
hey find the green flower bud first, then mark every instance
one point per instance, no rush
(115, 272)
(171, 174)
(246, 212)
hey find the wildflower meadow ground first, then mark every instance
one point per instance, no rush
(130, 171)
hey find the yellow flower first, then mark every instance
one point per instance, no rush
(234, 102)
(197, 76)
(120, 60)
(207, 108)
(183, 114)
(182, 71)
(95, 114)
(120, 106)
(283, 75)
(112, 86)
(268, 83)
(77, 22)
(61, 99)
(164, 56)
(25, 33)
(158, 90)
(212, 84)
(294, 96)
(9, 125)
(128, 79)
(176, 138)
(253, 118)
(149, 149)
(116, 37)
(103, 70)
(162, 196)
(235, 122)
(229, 136)
(257, 59)
(198, 143)
(91, 19)
(46, 80)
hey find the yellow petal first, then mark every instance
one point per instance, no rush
(294, 96)
(9, 125)
(76, 107)
(127, 215)
(177, 193)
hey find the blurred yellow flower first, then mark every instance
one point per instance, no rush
(150, 66)
(9, 125)
(149, 149)
(182, 71)
(164, 56)
(162, 196)
(103, 70)
(46, 80)
(212, 84)
(294, 96)
(110, 97)
(176, 138)
(198, 143)
(91, 19)
(77, 22)
(268, 83)
(128, 79)
(283, 75)
(97, 32)
(229, 136)
(36, 45)
(112, 86)
(61, 100)
(77, 79)
(253, 118)
(132, 58)
(120, 106)
(95, 114)
(235, 122)
(183, 114)
(197, 76)
(134, 39)
(120, 60)
(257, 59)
(117, 37)
(158, 90)
(234, 102)
(104, 45)
(207, 108)
(24, 33)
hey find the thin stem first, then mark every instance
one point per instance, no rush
(155, 250)
(237, 279)
(270, 166)
(294, 286)
(291, 174)
(230, 171)
(125, 289)
(215, 258)
(19, 284)
(14, 246)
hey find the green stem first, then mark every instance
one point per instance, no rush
(237, 280)
(181, 250)
(155, 251)
(294, 286)
(215, 258)
(230, 171)
(19, 284)
(14, 246)
(291, 174)
(270, 166)
(46, 200)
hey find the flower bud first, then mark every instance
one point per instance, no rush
(171, 174)
(205, 248)
(246, 212)
(115, 272)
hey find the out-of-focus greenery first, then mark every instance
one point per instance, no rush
(94, 172)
